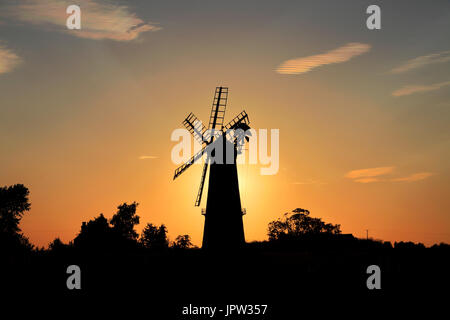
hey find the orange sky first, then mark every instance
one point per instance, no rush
(78, 112)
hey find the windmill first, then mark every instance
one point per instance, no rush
(223, 215)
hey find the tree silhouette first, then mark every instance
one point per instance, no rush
(298, 223)
(95, 233)
(13, 204)
(56, 245)
(154, 237)
(182, 242)
(125, 219)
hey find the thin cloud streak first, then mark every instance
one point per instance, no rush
(422, 61)
(410, 89)
(308, 182)
(364, 174)
(414, 177)
(373, 175)
(8, 59)
(339, 55)
(99, 20)
(367, 180)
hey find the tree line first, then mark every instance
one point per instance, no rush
(99, 233)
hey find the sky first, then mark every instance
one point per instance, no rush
(86, 115)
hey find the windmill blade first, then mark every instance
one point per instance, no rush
(195, 127)
(211, 134)
(202, 183)
(240, 118)
(191, 161)
(219, 105)
(241, 121)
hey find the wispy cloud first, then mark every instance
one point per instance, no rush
(375, 175)
(421, 61)
(147, 157)
(338, 55)
(99, 19)
(311, 181)
(414, 177)
(8, 59)
(367, 180)
(364, 174)
(410, 89)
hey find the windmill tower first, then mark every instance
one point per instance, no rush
(221, 144)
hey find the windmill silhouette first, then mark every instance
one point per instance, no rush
(221, 144)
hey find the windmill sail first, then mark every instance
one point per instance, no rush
(191, 161)
(195, 127)
(217, 114)
(240, 118)
(202, 183)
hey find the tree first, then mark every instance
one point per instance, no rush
(182, 242)
(95, 233)
(56, 245)
(125, 219)
(154, 237)
(13, 204)
(298, 223)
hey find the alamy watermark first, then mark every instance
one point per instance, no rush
(237, 144)
(374, 280)
(74, 19)
(74, 279)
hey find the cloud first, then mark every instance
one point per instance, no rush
(99, 19)
(414, 177)
(373, 175)
(367, 180)
(147, 157)
(308, 182)
(407, 90)
(421, 61)
(341, 54)
(8, 59)
(367, 175)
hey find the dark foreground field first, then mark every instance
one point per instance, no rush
(278, 275)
